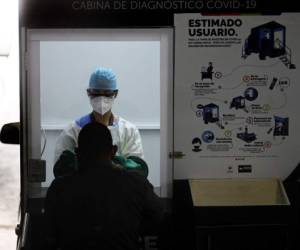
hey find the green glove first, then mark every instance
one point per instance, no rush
(66, 164)
(133, 163)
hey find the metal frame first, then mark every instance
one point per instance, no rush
(31, 110)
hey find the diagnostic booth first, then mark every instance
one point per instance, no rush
(222, 146)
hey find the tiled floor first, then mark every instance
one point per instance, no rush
(9, 195)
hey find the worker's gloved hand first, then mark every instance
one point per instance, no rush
(132, 163)
(66, 165)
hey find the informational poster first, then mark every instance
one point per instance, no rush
(237, 95)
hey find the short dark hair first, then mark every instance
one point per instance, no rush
(94, 141)
(196, 140)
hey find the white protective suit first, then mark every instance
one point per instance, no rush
(124, 134)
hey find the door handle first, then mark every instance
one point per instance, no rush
(176, 155)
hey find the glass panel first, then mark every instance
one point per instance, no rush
(65, 69)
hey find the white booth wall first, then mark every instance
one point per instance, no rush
(65, 68)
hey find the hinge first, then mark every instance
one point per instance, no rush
(176, 155)
(18, 230)
(37, 170)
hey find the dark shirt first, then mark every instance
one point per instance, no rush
(210, 69)
(101, 208)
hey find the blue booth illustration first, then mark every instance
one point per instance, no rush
(238, 102)
(281, 126)
(268, 40)
(210, 113)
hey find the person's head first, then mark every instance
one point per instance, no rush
(197, 144)
(102, 90)
(95, 145)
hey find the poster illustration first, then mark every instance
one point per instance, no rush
(237, 90)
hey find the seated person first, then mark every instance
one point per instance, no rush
(101, 206)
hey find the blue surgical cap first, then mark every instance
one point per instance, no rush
(103, 79)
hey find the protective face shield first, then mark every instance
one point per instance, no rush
(101, 104)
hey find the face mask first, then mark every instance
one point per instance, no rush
(102, 104)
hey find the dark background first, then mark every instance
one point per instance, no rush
(61, 13)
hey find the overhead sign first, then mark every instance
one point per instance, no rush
(137, 13)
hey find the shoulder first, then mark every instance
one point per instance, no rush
(84, 120)
(74, 127)
(69, 133)
(136, 179)
(59, 183)
(121, 122)
(60, 190)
